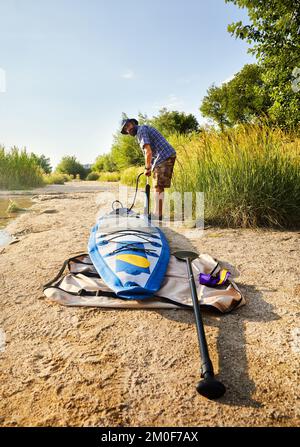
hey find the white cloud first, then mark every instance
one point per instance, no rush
(129, 74)
(171, 102)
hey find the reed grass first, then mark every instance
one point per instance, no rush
(250, 175)
(18, 170)
(13, 207)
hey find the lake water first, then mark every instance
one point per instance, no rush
(6, 218)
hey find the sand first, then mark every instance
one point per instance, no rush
(64, 366)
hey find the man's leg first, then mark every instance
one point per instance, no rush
(162, 176)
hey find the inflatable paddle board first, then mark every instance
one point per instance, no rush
(130, 254)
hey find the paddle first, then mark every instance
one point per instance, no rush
(208, 387)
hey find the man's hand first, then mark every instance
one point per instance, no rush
(147, 172)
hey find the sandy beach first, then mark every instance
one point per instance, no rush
(64, 366)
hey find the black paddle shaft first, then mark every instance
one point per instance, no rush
(208, 387)
(207, 367)
(207, 370)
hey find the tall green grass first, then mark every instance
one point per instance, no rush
(18, 170)
(250, 175)
(109, 176)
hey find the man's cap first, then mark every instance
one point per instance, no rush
(125, 121)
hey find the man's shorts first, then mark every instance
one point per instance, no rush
(162, 174)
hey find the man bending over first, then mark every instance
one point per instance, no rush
(160, 157)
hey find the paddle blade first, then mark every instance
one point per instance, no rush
(184, 255)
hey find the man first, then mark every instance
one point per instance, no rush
(160, 157)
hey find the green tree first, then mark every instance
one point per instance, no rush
(69, 165)
(214, 105)
(104, 163)
(248, 97)
(274, 31)
(240, 100)
(126, 152)
(168, 122)
(43, 162)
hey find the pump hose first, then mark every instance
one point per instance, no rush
(135, 194)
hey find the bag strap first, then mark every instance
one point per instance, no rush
(105, 293)
(55, 282)
(83, 292)
(65, 264)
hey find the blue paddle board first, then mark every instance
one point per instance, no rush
(130, 254)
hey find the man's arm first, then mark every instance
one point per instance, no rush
(148, 158)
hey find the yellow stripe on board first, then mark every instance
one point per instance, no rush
(139, 261)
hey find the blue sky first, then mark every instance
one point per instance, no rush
(73, 66)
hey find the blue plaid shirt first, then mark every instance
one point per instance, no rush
(161, 149)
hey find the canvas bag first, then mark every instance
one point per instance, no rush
(79, 284)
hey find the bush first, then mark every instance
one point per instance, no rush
(93, 176)
(56, 178)
(109, 176)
